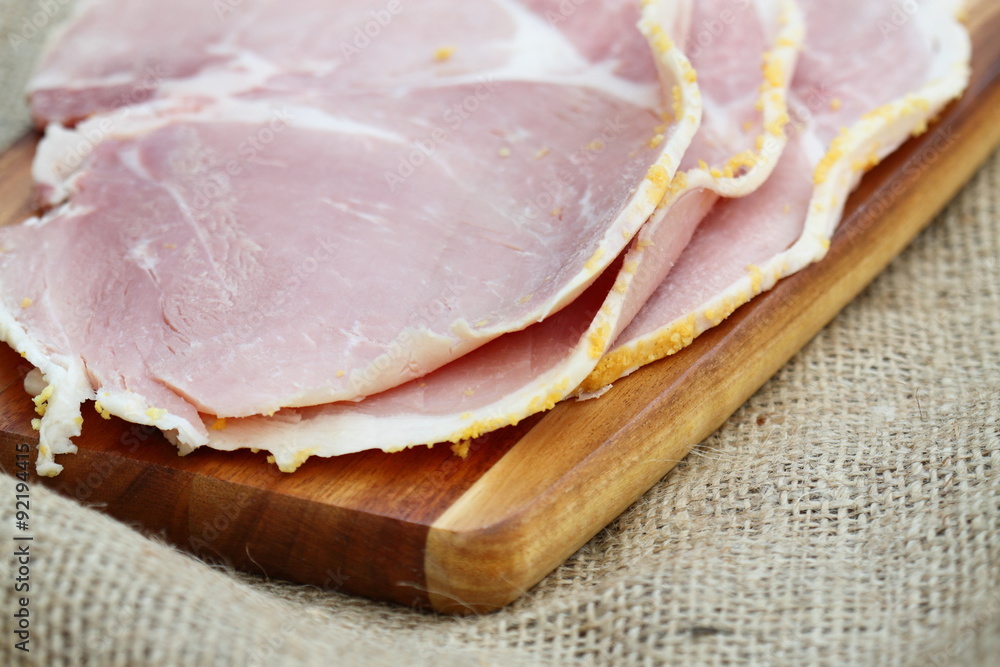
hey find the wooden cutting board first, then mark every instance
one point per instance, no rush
(429, 529)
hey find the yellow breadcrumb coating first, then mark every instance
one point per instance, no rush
(444, 53)
(298, 459)
(41, 401)
(679, 336)
(461, 448)
(599, 340)
(101, 410)
(594, 262)
(774, 73)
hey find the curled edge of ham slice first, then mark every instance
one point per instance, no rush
(747, 170)
(66, 381)
(854, 151)
(391, 422)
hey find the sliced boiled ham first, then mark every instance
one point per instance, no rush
(270, 231)
(120, 53)
(523, 373)
(863, 86)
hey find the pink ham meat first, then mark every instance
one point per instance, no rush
(526, 372)
(115, 53)
(256, 238)
(863, 86)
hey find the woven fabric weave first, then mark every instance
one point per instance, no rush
(849, 513)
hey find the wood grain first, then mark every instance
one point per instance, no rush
(429, 529)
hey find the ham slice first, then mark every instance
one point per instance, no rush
(865, 83)
(522, 373)
(118, 53)
(268, 231)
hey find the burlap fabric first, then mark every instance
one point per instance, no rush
(847, 514)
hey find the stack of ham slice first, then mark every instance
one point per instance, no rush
(320, 228)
